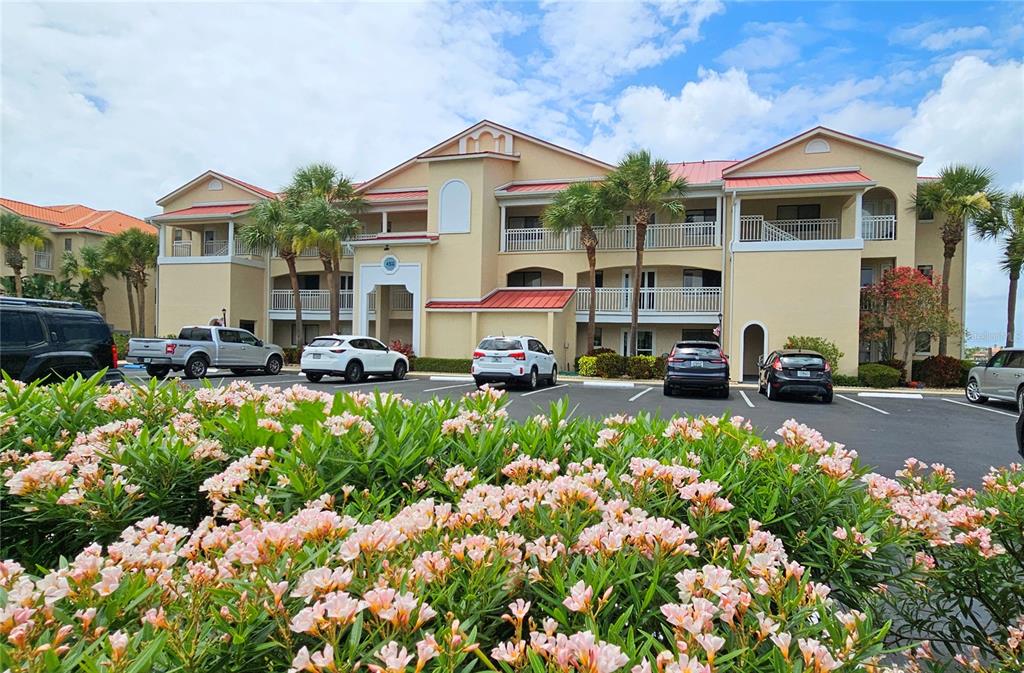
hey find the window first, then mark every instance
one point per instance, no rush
(537, 347)
(454, 215)
(798, 361)
(807, 211)
(599, 279)
(701, 215)
(248, 325)
(247, 339)
(817, 146)
(312, 332)
(178, 233)
(20, 329)
(524, 279)
(923, 343)
(698, 334)
(309, 282)
(524, 222)
(67, 245)
(230, 336)
(597, 337)
(500, 344)
(693, 278)
(195, 334)
(215, 185)
(80, 330)
(926, 269)
(325, 342)
(1015, 359)
(867, 277)
(999, 359)
(644, 342)
(374, 345)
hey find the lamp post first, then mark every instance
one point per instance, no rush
(224, 317)
(719, 328)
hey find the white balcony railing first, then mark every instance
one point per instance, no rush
(181, 249)
(401, 300)
(244, 250)
(215, 248)
(756, 228)
(878, 227)
(659, 236)
(652, 300)
(312, 300)
(43, 260)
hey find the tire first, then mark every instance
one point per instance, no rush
(667, 390)
(826, 398)
(973, 393)
(533, 380)
(237, 371)
(1020, 401)
(274, 364)
(157, 372)
(354, 372)
(196, 367)
(553, 380)
(768, 391)
(724, 393)
(480, 383)
(401, 369)
(313, 378)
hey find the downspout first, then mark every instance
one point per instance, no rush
(732, 280)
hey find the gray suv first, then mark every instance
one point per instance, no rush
(1001, 378)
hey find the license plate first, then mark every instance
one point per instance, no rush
(496, 358)
(315, 356)
(697, 363)
(142, 361)
(804, 374)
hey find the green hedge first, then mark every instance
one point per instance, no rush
(949, 373)
(442, 365)
(845, 380)
(818, 344)
(878, 376)
(610, 366)
(586, 365)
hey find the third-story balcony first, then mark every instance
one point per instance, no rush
(756, 228)
(659, 236)
(666, 301)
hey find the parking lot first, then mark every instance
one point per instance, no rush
(885, 430)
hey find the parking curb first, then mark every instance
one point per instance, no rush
(464, 379)
(610, 384)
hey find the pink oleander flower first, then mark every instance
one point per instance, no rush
(394, 657)
(579, 597)
(458, 477)
(118, 643)
(512, 653)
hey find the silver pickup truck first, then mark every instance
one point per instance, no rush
(199, 347)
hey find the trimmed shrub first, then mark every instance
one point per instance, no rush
(586, 365)
(901, 367)
(404, 349)
(292, 355)
(610, 365)
(845, 380)
(820, 344)
(441, 365)
(938, 371)
(641, 367)
(591, 353)
(878, 376)
(965, 368)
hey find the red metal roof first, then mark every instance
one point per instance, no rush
(411, 195)
(215, 210)
(533, 299)
(700, 172)
(539, 187)
(801, 179)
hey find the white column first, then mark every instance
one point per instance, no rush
(736, 203)
(384, 222)
(718, 219)
(501, 244)
(231, 238)
(858, 223)
(163, 240)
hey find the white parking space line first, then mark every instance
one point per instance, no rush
(746, 399)
(850, 399)
(608, 384)
(979, 407)
(451, 378)
(542, 390)
(895, 396)
(457, 385)
(640, 394)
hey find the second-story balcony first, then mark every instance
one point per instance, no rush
(42, 261)
(663, 301)
(212, 248)
(756, 228)
(878, 227)
(316, 303)
(659, 236)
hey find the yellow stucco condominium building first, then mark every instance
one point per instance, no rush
(452, 250)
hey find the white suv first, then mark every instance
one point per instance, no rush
(354, 357)
(519, 359)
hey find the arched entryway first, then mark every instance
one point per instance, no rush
(403, 294)
(755, 343)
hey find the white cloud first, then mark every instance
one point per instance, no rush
(869, 119)
(771, 45)
(953, 37)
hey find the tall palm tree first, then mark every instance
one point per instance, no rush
(134, 252)
(118, 257)
(1005, 222)
(583, 205)
(93, 268)
(643, 185)
(960, 193)
(271, 226)
(325, 204)
(14, 233)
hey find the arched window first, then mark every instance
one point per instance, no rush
(454, 215)
(214, 185)
(817, 146)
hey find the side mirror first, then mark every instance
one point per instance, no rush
(551, 352)
(259, 342)
(760, 360)
(387, 349)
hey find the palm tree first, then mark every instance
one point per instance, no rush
(643, 185)
(14, 233)
(1005, 221)
(134, 253)
(960, 193)
(271, 226)
(325, 203)
(582, 205)
(118, 257)
(93, 268)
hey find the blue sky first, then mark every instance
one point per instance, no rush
(115, 104)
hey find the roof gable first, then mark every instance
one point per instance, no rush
(258, 192)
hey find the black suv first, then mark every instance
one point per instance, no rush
(42, 339)
(697, 365)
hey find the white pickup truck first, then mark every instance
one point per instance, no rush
(200, 347)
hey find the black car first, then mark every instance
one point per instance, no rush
(42, 339)
(794, 371)
(697, 365)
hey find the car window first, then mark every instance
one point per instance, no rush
(82, 329)
(195, 334)
(1015, 359)
(247, 338)
(357, 343)
(322, 342)
(537, 347)
(696, 351)
(229, 336)
(375, 345)
(999, 359)
(793, 361)
(500, 344)
(12, 328)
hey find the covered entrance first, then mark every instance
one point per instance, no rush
(389, 293)
(755, 344)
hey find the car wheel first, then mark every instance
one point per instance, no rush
(237, 371)
(667, 390)
(354, 372)
(534, 378)
(768, 391)
(480, 383)
(553, 381)
(826, 398)
(313, 378)
(400, 370)
(724, 393)
(274, 365)
(157, 372)
(1020, 401)
(195, 368)
(973, 393)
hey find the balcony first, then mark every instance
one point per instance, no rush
(43, 261)
(878, 227)
(659, 236)
(318, 301)
(666, 302)
(754, 228)
(214, 248)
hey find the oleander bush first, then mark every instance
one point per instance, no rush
(248, 528)
(878, 376)
(940, 371)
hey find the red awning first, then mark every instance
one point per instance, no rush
(828, 179)
(532, 299)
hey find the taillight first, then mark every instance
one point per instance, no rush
(828, 367)
(517, 355)
(477, 355)
(777, 365)
(170, 348)
(338, 350)
(724, 357)
(113, 355)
